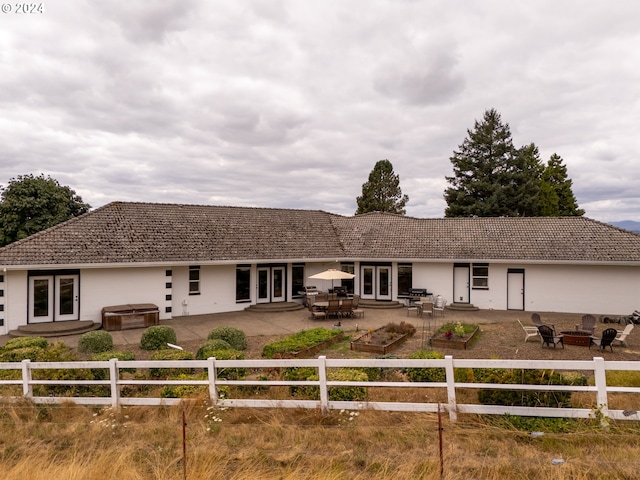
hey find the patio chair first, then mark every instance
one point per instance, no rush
(622, 337)
(537, 321)
(549, 336)
(346, 307)
(529, 331)
(439, 305)
(608, 336)
(333, 310)
(355, 311)
(315, 313)
(426, 306)
(588, 324)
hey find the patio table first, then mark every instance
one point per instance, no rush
(572, 337)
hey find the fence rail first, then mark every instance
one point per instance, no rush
(598, 366)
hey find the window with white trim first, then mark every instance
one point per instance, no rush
(480, 276)
(194, 280)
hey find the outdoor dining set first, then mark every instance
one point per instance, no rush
(329, 305)
(582, 335)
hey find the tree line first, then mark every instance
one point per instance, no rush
(491, 178)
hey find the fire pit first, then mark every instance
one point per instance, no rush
(581, 339)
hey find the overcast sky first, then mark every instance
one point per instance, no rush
(291, 103)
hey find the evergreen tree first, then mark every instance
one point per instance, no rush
(556, 193)
(30, 204)
(489, 179)
(382, 193)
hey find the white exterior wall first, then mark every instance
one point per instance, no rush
(102, 287)
(217, 291)
(437, 278)
(15, 301)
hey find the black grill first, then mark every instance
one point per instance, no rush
(418, 292)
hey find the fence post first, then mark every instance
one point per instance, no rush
(451, 388)
(213, 389)
(27, 388)
(114, 376)
(600, 375)
(322, 376)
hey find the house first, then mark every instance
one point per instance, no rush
(194, 259)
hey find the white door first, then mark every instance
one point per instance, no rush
(375, 282)
(271, 284)
(461, 284)
(515, 289)
(67, 298)
(41, 307)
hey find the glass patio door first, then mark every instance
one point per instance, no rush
(376, 282)
(53, 298)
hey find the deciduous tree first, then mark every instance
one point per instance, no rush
(29, 204)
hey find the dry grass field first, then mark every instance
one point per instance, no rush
(74, 442)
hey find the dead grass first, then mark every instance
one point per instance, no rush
(75, 442)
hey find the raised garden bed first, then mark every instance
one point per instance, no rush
(378, 341)
(292, 346)
(441, 340)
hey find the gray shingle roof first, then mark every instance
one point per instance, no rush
(165, 233)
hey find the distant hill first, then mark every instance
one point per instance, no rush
(627, 225)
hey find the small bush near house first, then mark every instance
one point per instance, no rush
(228, 373)
(103, 373)
(233, 336)
(171, 355)
(97, 341)
(32, 353)
(335, 393)
(426, 374)
(157, 337)
(22, 342)
(210, 346)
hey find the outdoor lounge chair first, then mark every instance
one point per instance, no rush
(588, 324)
(333, 310)
(622, 337)
(608, 336)
(537, 321)
(346, 307)
(549, 336)
(529, 331)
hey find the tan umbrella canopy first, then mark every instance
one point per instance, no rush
(332, 274)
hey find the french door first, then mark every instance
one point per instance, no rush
(271, 284)
(53, 298)
(375, 282)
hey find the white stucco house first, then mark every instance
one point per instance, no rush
(194, 259)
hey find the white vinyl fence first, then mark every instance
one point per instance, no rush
(598, 367)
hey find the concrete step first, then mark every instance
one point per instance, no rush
(380, 304)
(55, 329)
(462, 307)
(275, 307)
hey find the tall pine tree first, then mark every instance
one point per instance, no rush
(382, 193)
(556, 193)
(491, 177)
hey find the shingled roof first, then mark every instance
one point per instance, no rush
(166, 233)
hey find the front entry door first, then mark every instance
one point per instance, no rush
(271, 284)
(53, 298)
(461, 283)
(515, 289)
(376, 282)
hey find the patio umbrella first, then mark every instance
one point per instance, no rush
(332, 274)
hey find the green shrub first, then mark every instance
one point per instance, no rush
(96, 341)
(103, 373)
(299, 341)
(233, 336)
(352, 394)
(32, 353)
(210, 346)
(431, 374)
(59, 352)
(22, 342)
(229, 373)
(157, 337)
(182, 391)
(171, 355)
(528, 398)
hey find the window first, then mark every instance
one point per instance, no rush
(348, 282)
(168, 273)
(243, 283)
(297, 281)
(480, 276)
(194, 280)
(405, 279)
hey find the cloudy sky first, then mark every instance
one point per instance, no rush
(291, 103)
